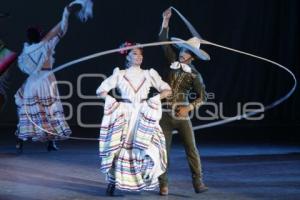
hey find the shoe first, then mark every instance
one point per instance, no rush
(163, 190)
(200, 187)
(110, 189)
(52, 146)
(19, 146)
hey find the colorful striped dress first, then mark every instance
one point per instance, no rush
(131, 143)
(37, 101)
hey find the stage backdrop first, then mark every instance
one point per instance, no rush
(267, 28)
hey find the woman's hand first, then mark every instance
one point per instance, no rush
(165, 94)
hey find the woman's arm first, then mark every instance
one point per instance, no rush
(165, 94)
(160, 85)
(61, 28)
(102, 95)
(108, 84)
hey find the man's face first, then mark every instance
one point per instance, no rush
(185, 56)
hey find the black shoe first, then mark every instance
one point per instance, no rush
(19, 146)
(110, 189)
(52, 146)
(199, 187)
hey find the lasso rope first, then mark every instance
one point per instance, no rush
(196, 34)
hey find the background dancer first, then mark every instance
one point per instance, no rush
(7, 57)
(38, 100)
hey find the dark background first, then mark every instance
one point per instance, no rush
(268, 28)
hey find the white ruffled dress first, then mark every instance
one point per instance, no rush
(131, 143)
(38, 103)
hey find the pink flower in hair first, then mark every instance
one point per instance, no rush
(124, 45)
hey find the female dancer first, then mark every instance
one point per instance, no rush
(132, 145)
(38, 100)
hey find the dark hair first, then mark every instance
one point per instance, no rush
(126, 61)
(34, 34)
(126, 52)
(189, 52)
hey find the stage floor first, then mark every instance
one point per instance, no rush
(233, 172)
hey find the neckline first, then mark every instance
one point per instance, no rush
(132, 86)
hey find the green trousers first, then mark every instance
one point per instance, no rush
(184, 127)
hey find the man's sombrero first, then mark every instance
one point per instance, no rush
(193, 45)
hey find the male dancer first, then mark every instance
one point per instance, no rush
(183, 78)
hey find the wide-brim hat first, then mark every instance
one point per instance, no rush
(193, 45)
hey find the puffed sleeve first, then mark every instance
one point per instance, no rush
(109, 83)
(157, 81)
(54, 41)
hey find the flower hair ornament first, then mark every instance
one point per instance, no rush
(124, 45)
